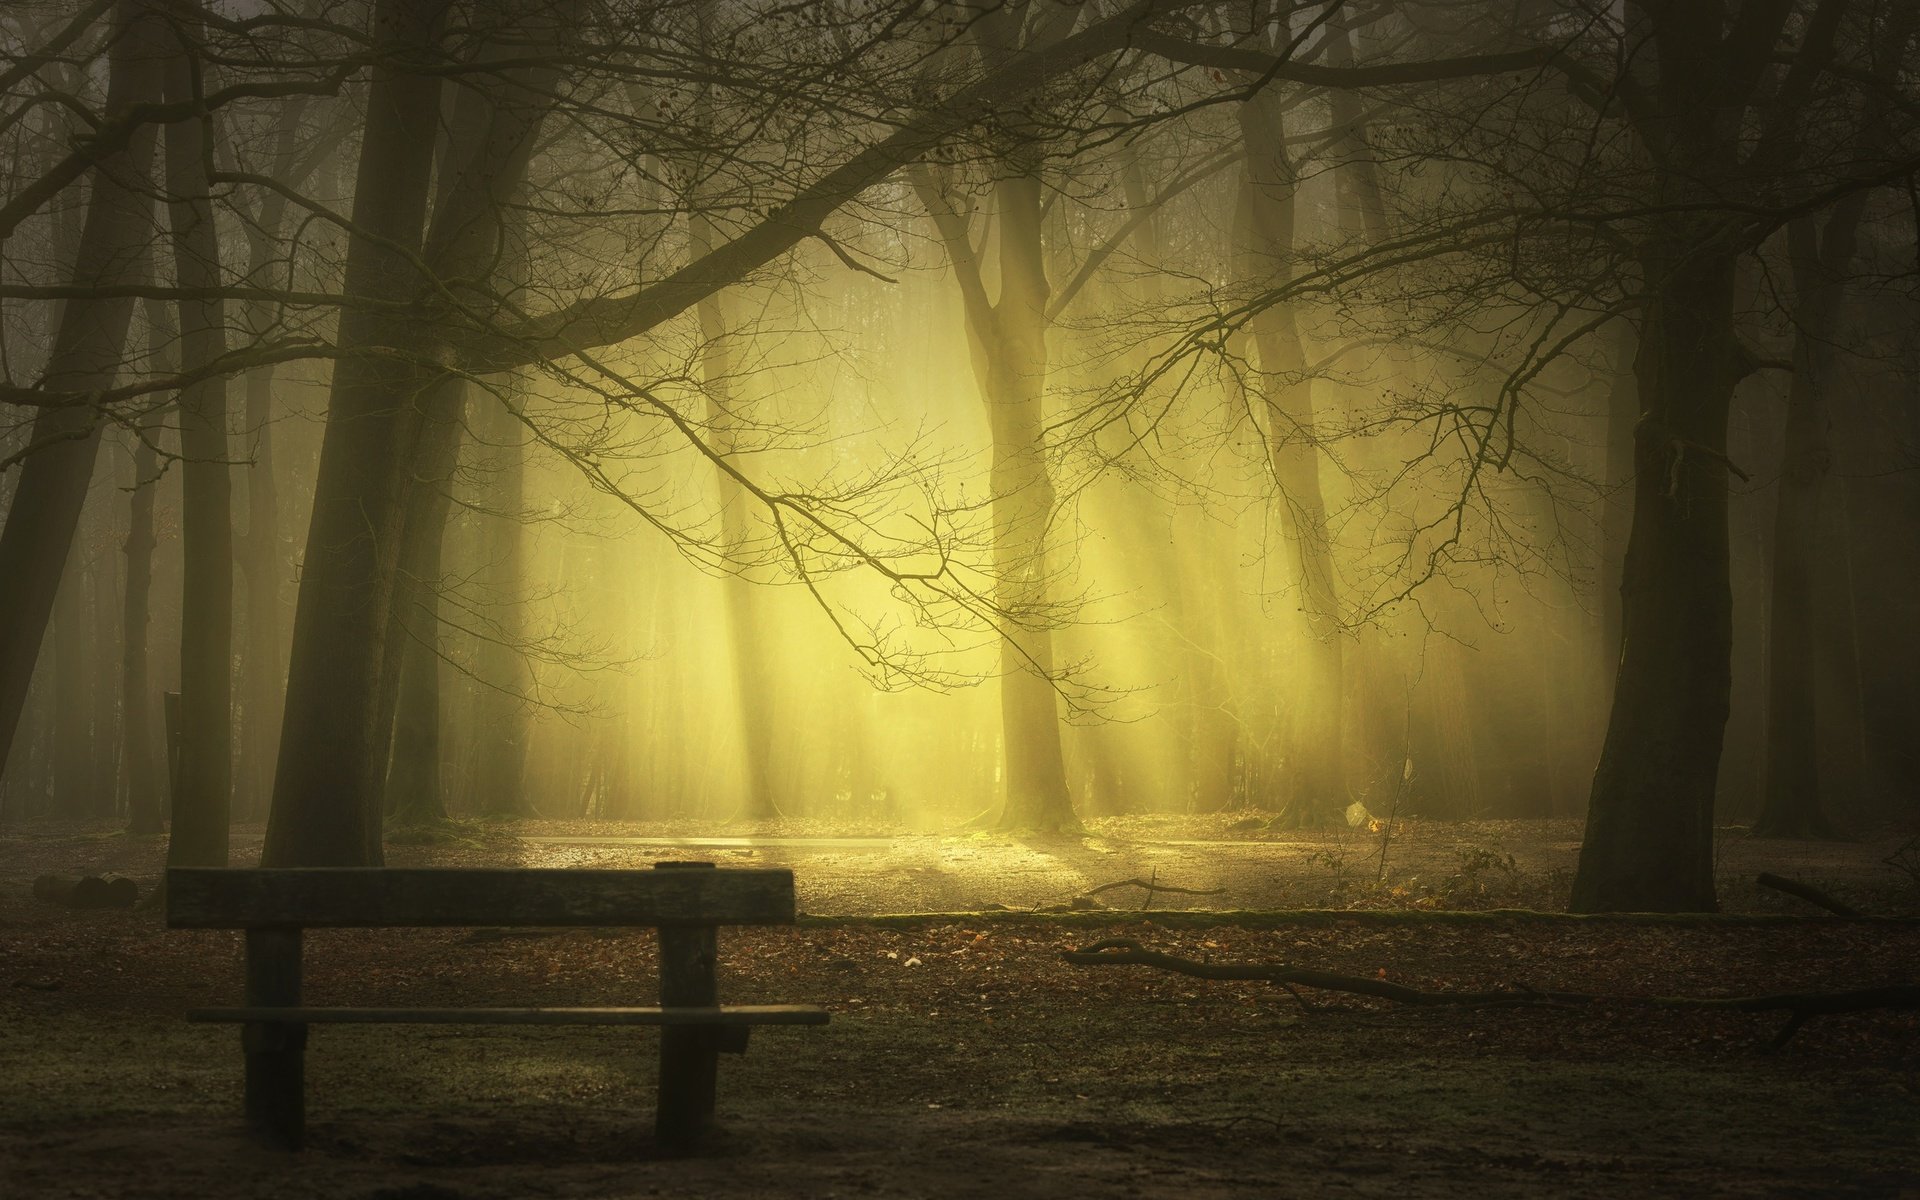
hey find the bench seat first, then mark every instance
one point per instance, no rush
(724, 1015)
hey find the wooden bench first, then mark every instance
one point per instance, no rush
(686, 902)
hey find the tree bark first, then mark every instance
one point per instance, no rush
(87, 348)
(492, 134)
(141, 776)
(1616, 514)
(331, 768)
(1649, 835)
(203, 796)
(1008, 339)
(500, 777)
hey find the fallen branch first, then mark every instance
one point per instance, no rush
(1800, 1006)
(1127, 952)
(1812, 895)
(1154, 887)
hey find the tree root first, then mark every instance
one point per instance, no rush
(1800, 1006)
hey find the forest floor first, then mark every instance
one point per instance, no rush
(966, 1058)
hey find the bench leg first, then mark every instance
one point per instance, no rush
(276, 1084)
(689, 1069)
(689, 1055)
(276, 1053)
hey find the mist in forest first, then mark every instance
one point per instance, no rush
(881, 414)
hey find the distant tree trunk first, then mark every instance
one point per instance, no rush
(501, 767)
(87, 348)
(205, 782)
(263, 568)
(413, 785)
(744, 623)
(103, 677)
(260, 571)
(1008, 337)
(331, 768)
(1023, 503)
(72, 717)
(1315, 790)
(1792, 804)
(136, 717)
(1206, 734)
(1363, 207)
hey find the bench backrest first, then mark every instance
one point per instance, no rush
(396, 897)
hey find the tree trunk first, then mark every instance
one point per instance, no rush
(103, 677)
(500, 774)
(1793, 804)
(1363, 207)
(413, 785)
(205, 782)
(327, 781)
(261, 674)
(749, 650)
(87, 348)
(1649, 835)
(1315, 787)
(1023, 499)
(72, 719)
(1008, 338)
(136, 717)
(395, 492)
(1616, 514)
(262, 561)
(1207, 734)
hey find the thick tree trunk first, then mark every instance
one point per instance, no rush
(87, 348)
(1015, 383)
(394, 493)
(1035, 770)
(1649, 835)
(201, 803)
(331, 768)
(1616, 513)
